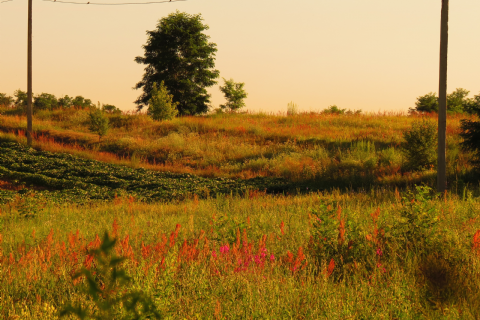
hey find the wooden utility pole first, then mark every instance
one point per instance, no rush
(29, 77)
(442, 101)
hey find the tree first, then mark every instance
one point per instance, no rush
(110, 108)
(65, 102)
(234, 94)
(98, 122)
(45, 101)
(457, 102)
(21, 98)
(161, 105)
(178, 53)
(80, 101)
(426, 103)
(5, 100)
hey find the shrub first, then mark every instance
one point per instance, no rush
(471, 139)
(65, 102)
(80, 101)
(161, 105)
(420, 145)
(5, 100)
(426, 103)
(457, 102)
(109, 108)
(234, 93)
(45, 101)
(333, 110)
(98, 122)
(21, 98)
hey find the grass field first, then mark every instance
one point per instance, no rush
(236, 216)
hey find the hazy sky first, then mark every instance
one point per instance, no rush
(371, 55)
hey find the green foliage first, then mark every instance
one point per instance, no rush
(106, 286)
(416, 227)
(178, 52)
(472, 106)
(21, 98)
(471, 139)
(234, 94)
(336, 110)
(80, 101)
(98, 122)
(65, 102)
(457, 102)
(426, 103)
(161, 105)
(5, 100)
(45, 101)
(111, 109)
(72, 179)
(420, 145)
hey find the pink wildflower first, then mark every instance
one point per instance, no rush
(272, 258)
(379, 251)
(214, 254)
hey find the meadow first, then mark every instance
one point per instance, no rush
(234, 216)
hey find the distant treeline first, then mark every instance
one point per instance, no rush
(47, 101)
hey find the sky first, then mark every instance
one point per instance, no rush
(373, 55)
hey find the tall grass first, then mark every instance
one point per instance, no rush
(253, 256)
(327, 149)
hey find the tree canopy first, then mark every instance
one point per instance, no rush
(178, 53)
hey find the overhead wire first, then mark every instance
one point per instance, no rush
(110, 4)
(104, 3)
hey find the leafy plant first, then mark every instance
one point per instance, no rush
(105, 286)
(98, 122)
(334, 110)
(45, 101)
(420, 145)
(21, 98)
(161, 105)
(234, 93)
(5, 100)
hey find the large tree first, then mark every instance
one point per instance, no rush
(179, 54)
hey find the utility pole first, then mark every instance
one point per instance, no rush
(29, 77)
(442, 101)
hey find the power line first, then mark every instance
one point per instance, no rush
(109, 4)
(5, 1)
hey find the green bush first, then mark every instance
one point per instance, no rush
(109, 108)
(419, 148)
(5, 100)
(161, 105)
(98, 122)
(234, 94)
(21, 98)
(45, 101)
(457, 102)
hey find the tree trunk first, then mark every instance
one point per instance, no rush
(442, 101)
